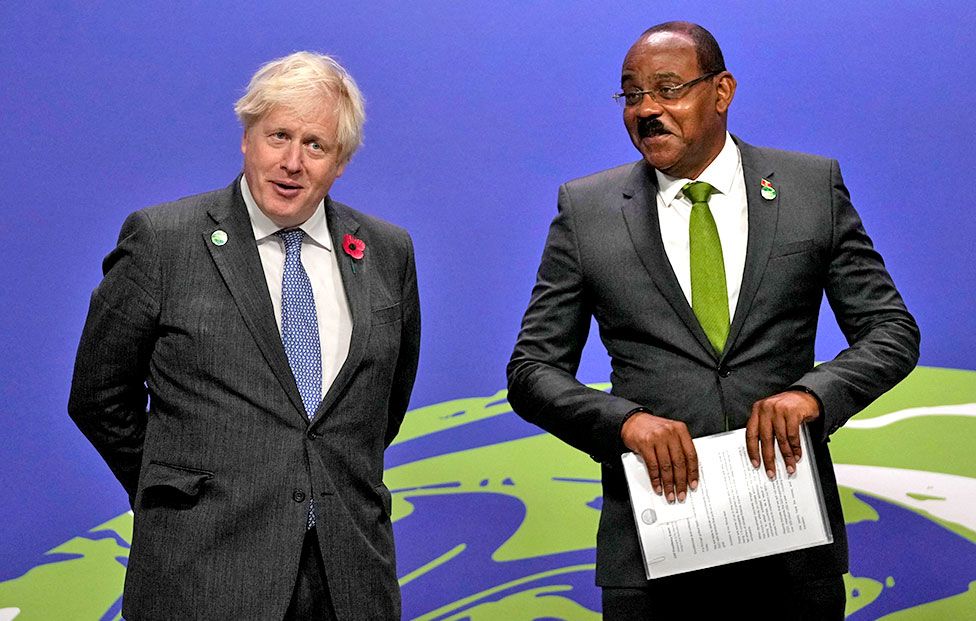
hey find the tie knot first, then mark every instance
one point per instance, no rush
(292, 238)
(698, 191)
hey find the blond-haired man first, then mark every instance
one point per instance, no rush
(275, 334)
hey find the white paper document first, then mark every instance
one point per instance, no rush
(736, 513)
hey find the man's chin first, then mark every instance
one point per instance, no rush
(659, 161)
(658, 152)
(286, 213)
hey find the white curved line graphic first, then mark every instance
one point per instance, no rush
(962, 409)
(955, 496)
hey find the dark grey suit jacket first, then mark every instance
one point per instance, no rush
(221, 468)
(604, 258)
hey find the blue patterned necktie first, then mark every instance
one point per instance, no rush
(300, 328)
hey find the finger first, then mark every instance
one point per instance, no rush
(679, 465)
(766, 445)
(691, 459)
(782, 439)
(752, 437)
(653, 470)
(795, 439)
(667, 469)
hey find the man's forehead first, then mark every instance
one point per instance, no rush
(319, 113)
(662, 55)
(666, 38)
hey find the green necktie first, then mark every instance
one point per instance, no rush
(709, 295)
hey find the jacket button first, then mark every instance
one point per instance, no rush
(314, 435)
(298, 496)
(724, 371)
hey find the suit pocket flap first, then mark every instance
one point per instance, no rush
(186, 480)
(385, 497)
(388, 314)
(793, 247)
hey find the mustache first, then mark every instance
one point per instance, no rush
(650, 127)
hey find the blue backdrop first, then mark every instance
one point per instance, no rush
(476, 113)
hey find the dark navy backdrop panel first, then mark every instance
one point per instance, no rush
(476, 113)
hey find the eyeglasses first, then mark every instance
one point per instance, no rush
(660, 93)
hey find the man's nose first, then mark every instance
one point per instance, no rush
(291, 159)
(648, 107)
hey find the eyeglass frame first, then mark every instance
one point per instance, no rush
(676, 91)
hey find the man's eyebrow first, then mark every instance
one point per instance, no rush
(313, 137)
(661, 75)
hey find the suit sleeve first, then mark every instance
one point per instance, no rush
(108, 389)
(882, 335)
(409, 351)
(542, 384)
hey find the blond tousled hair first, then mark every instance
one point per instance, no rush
(304, 82)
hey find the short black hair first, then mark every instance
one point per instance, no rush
(709, 54)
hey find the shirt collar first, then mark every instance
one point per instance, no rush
(316, 227)
(720, 174)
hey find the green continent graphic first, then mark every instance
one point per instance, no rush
(555, 482)
(83, 587)
(913, 448)
(529, 604)
(910, 452)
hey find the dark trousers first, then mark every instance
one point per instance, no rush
(732, 591)
(311, 598)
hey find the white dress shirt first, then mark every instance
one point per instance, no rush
(729, 208)
(319, 260)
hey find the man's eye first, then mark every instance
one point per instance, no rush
(316, 149)
(279, 135)
(669, 91)
(633, 97)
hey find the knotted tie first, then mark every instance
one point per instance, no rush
(300, 328)
(709, 295)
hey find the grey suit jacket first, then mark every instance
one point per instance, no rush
(221, 467)
(604, 258)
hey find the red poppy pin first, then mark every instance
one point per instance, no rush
(353, 246)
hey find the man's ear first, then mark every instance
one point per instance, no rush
(725, 89)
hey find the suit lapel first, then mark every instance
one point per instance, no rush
(355, 281)
(239, 265)
(640, 215)
(763, 218)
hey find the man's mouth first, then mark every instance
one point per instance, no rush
(648, 128)
(287, 185)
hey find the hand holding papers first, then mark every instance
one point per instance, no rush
(736, 513)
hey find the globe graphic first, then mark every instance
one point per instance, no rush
(496, 520)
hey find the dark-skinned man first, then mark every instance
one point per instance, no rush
(705, 264)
